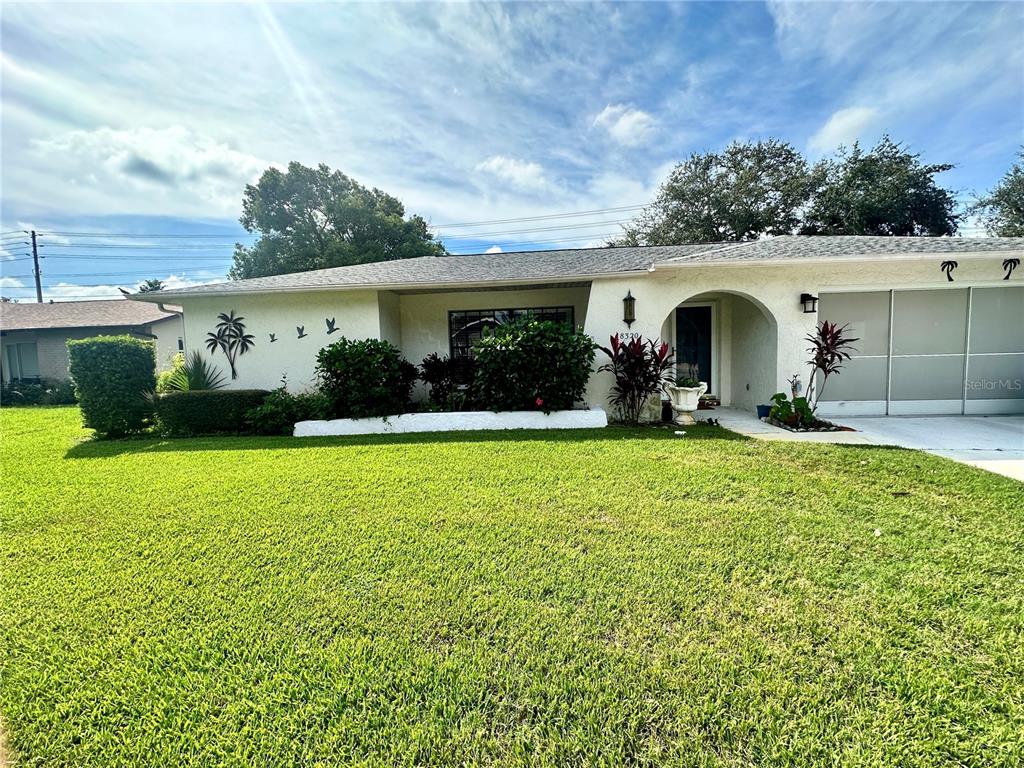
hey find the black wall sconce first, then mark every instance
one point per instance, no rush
(628, 309)
(810, 303)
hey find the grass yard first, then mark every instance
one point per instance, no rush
(609, 598)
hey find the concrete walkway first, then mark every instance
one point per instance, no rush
(994, 443)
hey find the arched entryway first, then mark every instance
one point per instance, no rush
(729, 340)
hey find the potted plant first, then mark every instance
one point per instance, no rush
(686, 398)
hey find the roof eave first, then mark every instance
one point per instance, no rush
(161, 297)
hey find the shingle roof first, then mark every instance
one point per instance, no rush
(853, 247)
(25, 316)
(476, 268)
(565, 265)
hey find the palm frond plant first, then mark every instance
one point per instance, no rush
(830, 349)
(194, 374)
(230, 338)
(641, 369)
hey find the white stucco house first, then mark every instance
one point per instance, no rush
(34, 336)
(940, 320)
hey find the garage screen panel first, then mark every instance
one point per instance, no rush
(929, 333)
(995, 368)
(867, 317)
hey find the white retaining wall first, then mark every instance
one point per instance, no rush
(458, 421)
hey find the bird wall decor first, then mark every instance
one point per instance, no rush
(948, 267)
(330, 325)
(273, 337)
(302, 331)
(1009, 265)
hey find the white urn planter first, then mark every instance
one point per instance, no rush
(685, 401)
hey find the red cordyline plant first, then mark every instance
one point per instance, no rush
(830, 348)
(641, 369)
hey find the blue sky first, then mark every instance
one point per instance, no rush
(150, 119)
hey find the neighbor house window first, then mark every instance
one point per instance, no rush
(465, 327)
(22, 361)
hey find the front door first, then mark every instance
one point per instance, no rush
(693, 344)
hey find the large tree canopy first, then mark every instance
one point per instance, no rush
(311, 218)
(748, 190)
(762, 188)
(1002, 209)
(885, 191)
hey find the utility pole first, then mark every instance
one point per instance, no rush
(35, 260)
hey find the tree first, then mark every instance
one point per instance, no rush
(312, 218)
(7, 300)
(884, 191)
(1002, 209)
(151, 285)
(748, 190)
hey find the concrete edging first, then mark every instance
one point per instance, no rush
(458, 421)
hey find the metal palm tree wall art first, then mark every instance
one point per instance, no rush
(230, 338)
(1009, 265)
(948, 267)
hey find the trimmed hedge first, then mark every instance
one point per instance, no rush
(46, 392)
(281, 410)
(112, 375)
(206, 411)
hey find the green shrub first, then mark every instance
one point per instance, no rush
(112, 375)
(280, 411)
(45, 392)
(449, 381)
(206, 411)
(364, 378)
(163, 379)
(530, 365)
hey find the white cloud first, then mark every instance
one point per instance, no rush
(845, 126)
(519, 173)
(161, 163)
(494, 249)
(627, 125)
(66, 290)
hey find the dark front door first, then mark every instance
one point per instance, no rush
(693, 344)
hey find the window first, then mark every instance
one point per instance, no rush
(22, 361)
(467, 326)
(181, 344)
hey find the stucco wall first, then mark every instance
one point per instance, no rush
(774, 289)
(167, 333)
(356, 316)
(390, 317)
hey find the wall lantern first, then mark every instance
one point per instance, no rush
(810, 303)
(629, 309)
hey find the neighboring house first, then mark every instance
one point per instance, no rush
(33, 336)
(939, 319)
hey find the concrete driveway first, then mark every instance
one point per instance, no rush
(995, 443)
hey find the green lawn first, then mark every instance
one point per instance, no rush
(601, 598)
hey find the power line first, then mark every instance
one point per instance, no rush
(486, 235)
(113, 256)
(538, 218)
(136, 247)
(196, 236)
(543, 242)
